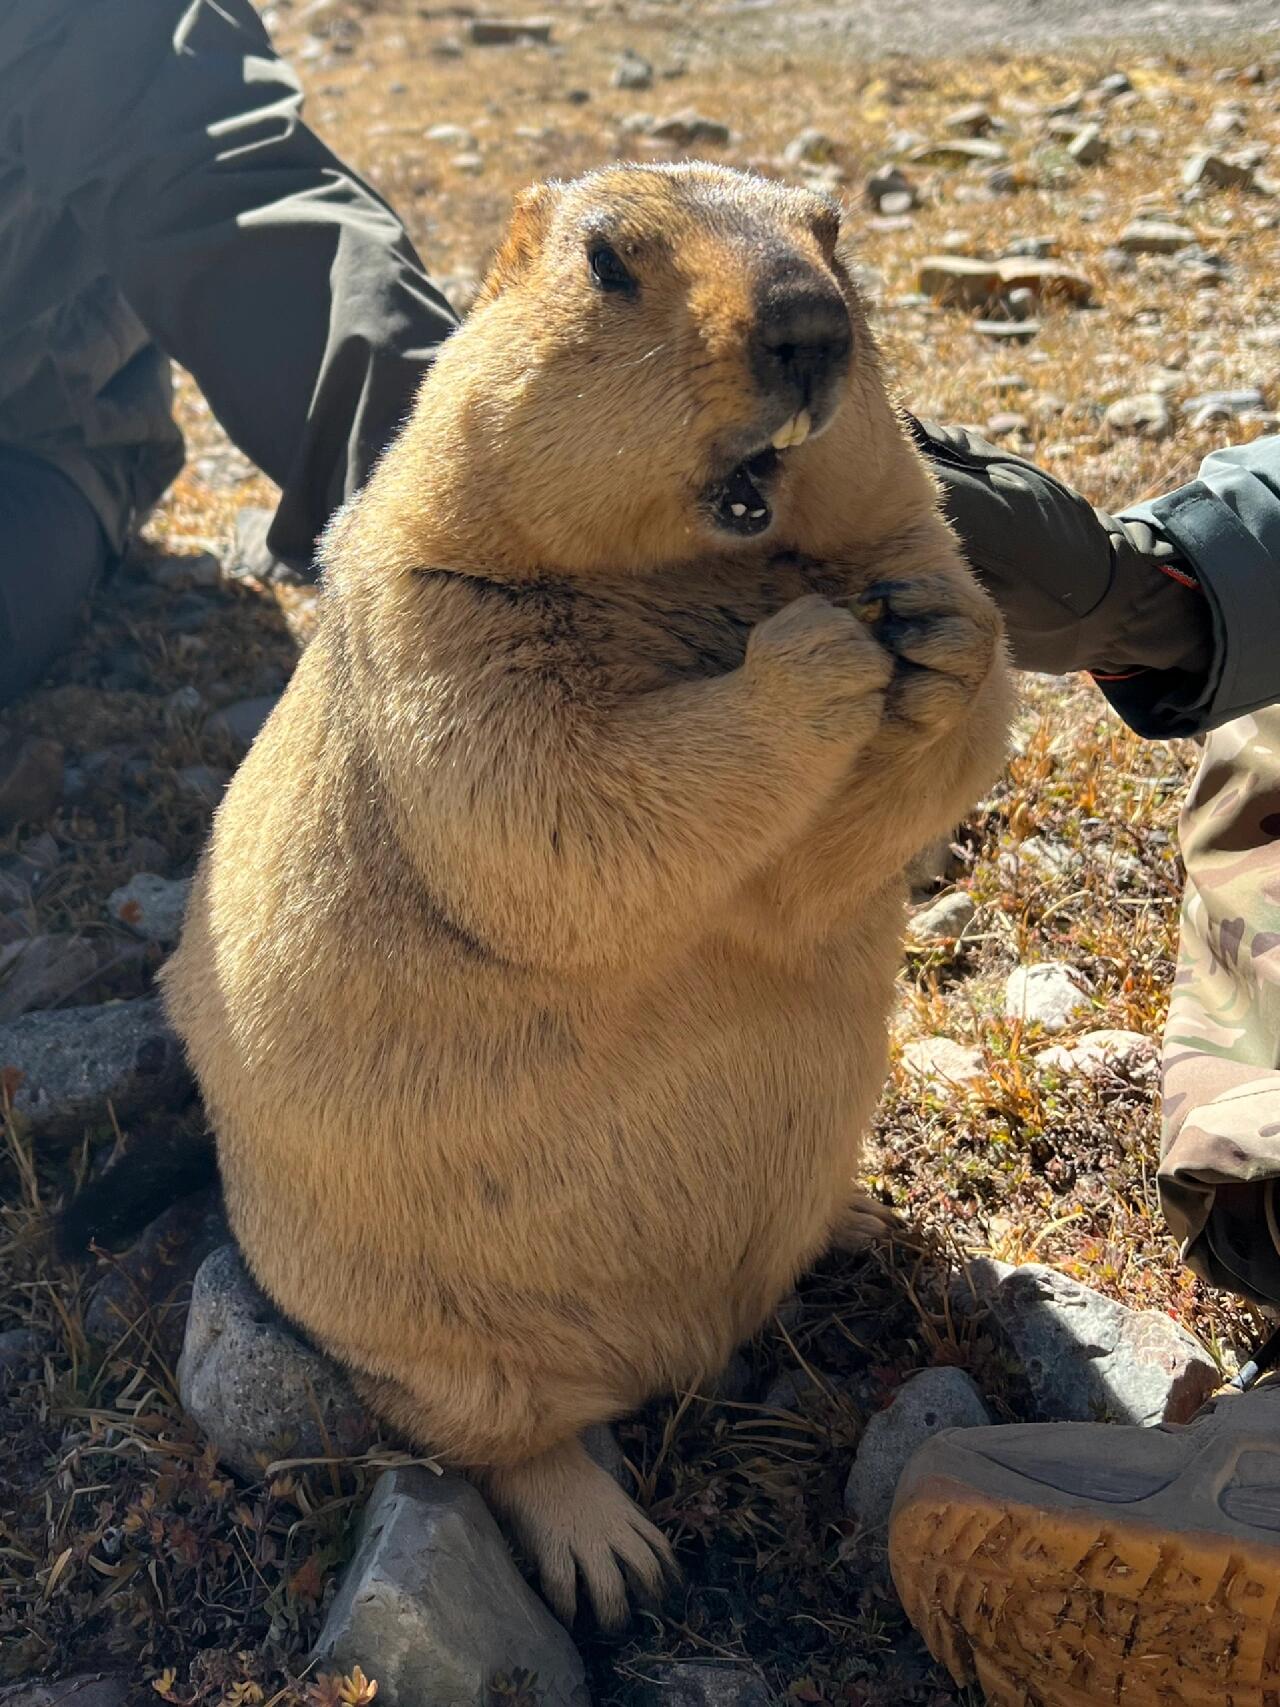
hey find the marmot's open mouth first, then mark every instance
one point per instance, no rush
(740, 503)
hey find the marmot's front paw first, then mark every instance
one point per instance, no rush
(825, 665)
(944, 636)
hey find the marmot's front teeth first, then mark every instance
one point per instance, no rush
(793, 432)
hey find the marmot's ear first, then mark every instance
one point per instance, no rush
(523, 241)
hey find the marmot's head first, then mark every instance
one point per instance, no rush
(653, 353)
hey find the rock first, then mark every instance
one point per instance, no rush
(1048, 995)
(1144, 415)
(433, 1607)
(1046, 278)
(703, 1683)
(254, 1388)
(923, 1406)
(89, 1689)
(151, 906)
(179, 574)
(1106, 1054)
(20, 1349)
(452, 136)
(893, 211)
(473, 163)
(501, 32)
(242, 721)
(1207, 170)
(65, 1069)
(890, 183)
(41, 971)
(1084, 1356)
(960, 151)
(1114, 84)
(147, 1289)
(184, 702)
(972, 120)
(31, 774)
(942, 1064)
(1224, 405)
(1008, 331)
(688, 127)
(1156, 237)
(632, 72)
(1227, 119)
(810, 148)
(959, 280)
(946, 918)
(205, 783)
(1088, 147)
(1006, 424)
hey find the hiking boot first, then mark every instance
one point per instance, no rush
(1065, 1564)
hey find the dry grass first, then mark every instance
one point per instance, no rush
(122, 1543)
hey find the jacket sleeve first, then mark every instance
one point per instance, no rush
(171, 134)
(1226, 525)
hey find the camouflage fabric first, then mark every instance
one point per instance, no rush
(1222, 1043)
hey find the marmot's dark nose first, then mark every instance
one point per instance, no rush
(802, 339)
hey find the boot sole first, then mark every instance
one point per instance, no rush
(1068, 1607)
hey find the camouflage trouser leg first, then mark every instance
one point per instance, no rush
(1218, 1179)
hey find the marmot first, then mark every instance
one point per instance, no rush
(537, 973)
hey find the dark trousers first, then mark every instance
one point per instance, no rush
(52, 552)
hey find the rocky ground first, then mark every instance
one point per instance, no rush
(1077, 252)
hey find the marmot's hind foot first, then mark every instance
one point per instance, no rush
(574, 1521)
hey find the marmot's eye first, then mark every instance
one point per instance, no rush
(608, 270)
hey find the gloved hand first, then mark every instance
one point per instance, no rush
(1079, 590)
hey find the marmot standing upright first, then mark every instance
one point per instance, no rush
(537, 973)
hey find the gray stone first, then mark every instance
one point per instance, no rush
(890, 183)
(948, 917)
(1048, 994)
(31, 777)
(184, 702)
(146, 1290)
(433, 1607)
(975, 119)
(810, 148)
(959, 151)
(88, 1689)
(923, 1406)
(1006, 423)
(1145, 415)
(178, 574)
(704, 1683)
(1224, 405)
(41, 971)
(942, 1064)
(1088, 147)
(20, 1349)
(1207, 170)
(1106, 1054)
(1085, 1357)
(1156, 237)
(633, 71)
(254, 1388)
(452, 136)
(242, 721)
(688, 127)
(66, 1069)
(501, 32)
(959, 281)
(1008, 331)
(153, 907)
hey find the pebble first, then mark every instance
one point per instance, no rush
(1006, 424)
(891, 183)
(703, 1683)
(1086, 1357)
(433, 1607)
(1113, 85)
(941, 1064)
(958, 281)
(632, 72)
(241, 721)
(1227, 119)
(1048, 995)
(688, 127)
(1008, 331)
(1088, 147)
(68, 1068)
(254, 1388)
(501, 32)
(31, 777)
(1216, 171)
(959, 151)
(152, 907)
(948, 917)
(1224, 405)
(923, 1406)
(20, 1349)
(1156, 237)
(1145, 416)
(41, 971)
(972, 120)
(810, 148)
(452, 135)
(1106, 1054)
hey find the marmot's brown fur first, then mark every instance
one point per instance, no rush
(537, 973)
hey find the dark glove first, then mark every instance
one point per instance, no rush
(1079, 590)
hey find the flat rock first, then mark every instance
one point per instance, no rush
(254, 1388)
(1047, 279)
(1008, 331)
(1156, 237)
(973, 119)
(150, 906)
(688, 127)
(941, 1064)
(1207, 170)
(1085, 1357)
(890, 183)
(633, 72)
(433, 1607)
(88, 1689)
(1106, 1054)
(66, 1069)
(1049, 994)
(923, 1406)
(1145, 415)
(1088, 147)
(242, 721)
(704, 1683)
(944, 919)
(40, 971)
(959, 280)
(1224, 405)
(501, 32)
(31, 776)
(959, 151)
